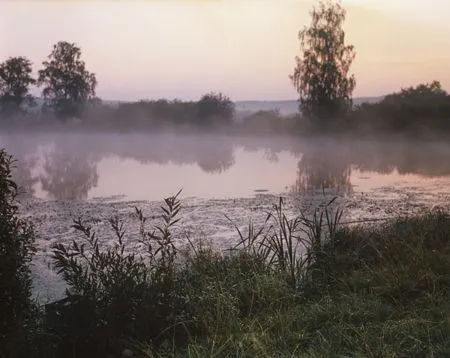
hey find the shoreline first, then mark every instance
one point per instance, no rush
(201, 219)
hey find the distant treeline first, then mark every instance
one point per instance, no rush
(69, 101)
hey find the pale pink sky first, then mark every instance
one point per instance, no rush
(244, 48)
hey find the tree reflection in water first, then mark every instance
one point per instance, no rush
(68, 173)
(216, 160)
(323, 168)
(427, 159)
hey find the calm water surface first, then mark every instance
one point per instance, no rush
(150, 167)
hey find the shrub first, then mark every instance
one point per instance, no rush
(215, 108)
(114, 294)
(16, 251)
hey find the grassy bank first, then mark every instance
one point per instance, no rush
(370, 291)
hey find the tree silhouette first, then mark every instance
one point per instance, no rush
(15, 82)
(321, 73)
(215, 106)
(68, 86)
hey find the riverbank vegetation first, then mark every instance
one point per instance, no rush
(310, 285)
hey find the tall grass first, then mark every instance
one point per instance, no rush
(293, 246)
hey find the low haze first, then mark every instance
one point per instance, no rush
(150, 49)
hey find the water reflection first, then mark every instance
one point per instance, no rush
(23, 174)
(78, 166)
(68, 175)
(216, 160)
(324, 168)
(428, 159)
(25, 161)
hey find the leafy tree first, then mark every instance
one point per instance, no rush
(321, 73)
(68, 86)
(16, 250)
(215, 106)
(15, 81)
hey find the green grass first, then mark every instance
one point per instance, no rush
(365, 291)
(384, 293)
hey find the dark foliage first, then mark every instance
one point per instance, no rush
(16, 251)
(425, 107)
(15, 82)
(114, 294)
(157, 114)
(68, 86)
(321, 73)
(215, 108)
(210, 111)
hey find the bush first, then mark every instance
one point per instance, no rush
(215, 108)
(16, 251)
(114, 294)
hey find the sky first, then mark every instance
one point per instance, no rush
(243, 48)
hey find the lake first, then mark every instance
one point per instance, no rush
(150, 167)
(97, 176)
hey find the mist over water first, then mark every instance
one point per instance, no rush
(62, 166)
